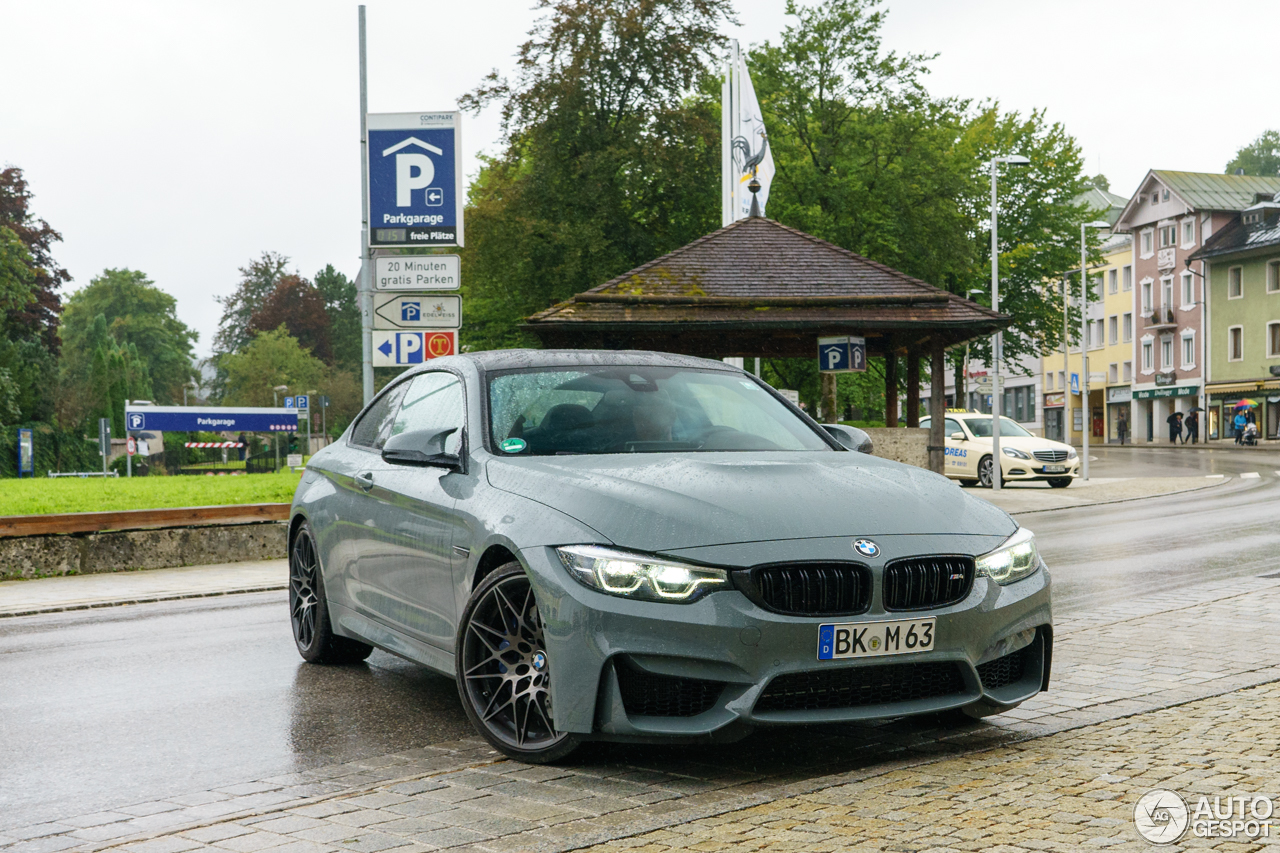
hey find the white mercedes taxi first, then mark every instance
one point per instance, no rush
(1023, 455)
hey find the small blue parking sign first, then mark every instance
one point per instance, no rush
(288, 403)
(845, 354)
(302, 402)
(137, 420)
(415, 179)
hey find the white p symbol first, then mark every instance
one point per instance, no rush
(409, 347)
(406, 182)
(833, 357)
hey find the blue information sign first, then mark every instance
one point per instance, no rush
(209, 419)
(415, 179)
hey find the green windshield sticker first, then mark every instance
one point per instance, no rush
(513, 445)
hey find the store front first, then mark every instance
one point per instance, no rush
(1119, 404)
(1153, 406)
(1053, 408)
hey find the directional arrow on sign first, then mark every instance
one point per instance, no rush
(385, 349)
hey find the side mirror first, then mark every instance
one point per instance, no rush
(957, 436)
(851, 437)
(424, 448)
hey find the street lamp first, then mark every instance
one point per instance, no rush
(997, 340)
(1086, 419)
(275, 439)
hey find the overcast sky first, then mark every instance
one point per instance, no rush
(183, 139)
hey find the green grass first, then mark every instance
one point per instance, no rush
(39, 496)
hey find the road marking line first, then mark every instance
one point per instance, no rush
(1252, 475)
(1212, 476)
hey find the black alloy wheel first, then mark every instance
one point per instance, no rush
(308, 610)
(986, 472)
(504, 672)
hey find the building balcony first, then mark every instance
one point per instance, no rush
(1160, 318)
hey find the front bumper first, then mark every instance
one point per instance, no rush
(723, 665)
(1034, 469)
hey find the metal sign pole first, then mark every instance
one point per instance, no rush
(365, 289)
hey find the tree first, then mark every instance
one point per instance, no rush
(1259, 157)
(298, 307)
(123, 310)
(272, 358)
(869, 160)
(38, 319)
(612, 155)
(257, 281)
(342, 306)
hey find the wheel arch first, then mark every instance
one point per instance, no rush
(494, 556)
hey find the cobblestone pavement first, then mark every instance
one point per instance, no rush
(1021, 498)
(1127, 659)
(1066, 792)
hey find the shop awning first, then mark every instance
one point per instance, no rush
(1242, 387)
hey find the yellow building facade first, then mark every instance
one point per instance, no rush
(1110, 348)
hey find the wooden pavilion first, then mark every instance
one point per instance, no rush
(759, 288)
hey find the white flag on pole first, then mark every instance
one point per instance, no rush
(745, 145)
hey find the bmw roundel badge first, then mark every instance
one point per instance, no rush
(866, 547)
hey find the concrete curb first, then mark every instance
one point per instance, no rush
(138, 599)
(1186, 491)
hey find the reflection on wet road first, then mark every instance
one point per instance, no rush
(124, 705)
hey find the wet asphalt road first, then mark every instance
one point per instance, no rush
(114, 707)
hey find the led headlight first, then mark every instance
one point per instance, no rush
(639, 575)
(1013, 560)
(1014, 452)
(1071, 453)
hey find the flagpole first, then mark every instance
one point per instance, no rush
(726, 137)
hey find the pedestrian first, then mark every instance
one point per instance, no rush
(1238, 423)
(1193, 427)
(1175, 427)
(244, 445)
(1122, 426)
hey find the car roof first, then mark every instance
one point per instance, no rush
(506, 359)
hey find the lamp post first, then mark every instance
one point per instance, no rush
(997, 340)
(1086, 420)
(275, 439)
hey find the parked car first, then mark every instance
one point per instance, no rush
(630, 545)
(969, 451)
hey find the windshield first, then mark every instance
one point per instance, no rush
(981, 428)
(639, 410)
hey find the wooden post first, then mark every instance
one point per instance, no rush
(937, 403)
(890, 388)
(829, 413)
(913, 387)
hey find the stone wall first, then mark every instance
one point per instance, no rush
(901, 445)
(86, 553)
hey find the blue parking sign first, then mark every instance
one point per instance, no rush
(844, 354)
(302, 402)
(415, 179)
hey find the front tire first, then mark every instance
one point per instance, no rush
(1059, 482)
(986, 472)
(504, 673)
(309, 610)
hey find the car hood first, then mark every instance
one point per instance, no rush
(660, 502)
(1027, 443)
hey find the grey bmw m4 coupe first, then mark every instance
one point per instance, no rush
(633, 545)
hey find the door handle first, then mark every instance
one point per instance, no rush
(364, 480)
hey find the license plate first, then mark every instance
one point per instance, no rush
(841, 640)
(1055, 469)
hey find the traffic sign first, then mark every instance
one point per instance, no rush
(398, 348)
(288, 403)
(844, 354)
(418, 272)
(132, 444)
(1075, 383)
(416, 311)
(302, 402)
(104, 436)
(415, 179)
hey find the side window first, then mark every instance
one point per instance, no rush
(374, 428)
(432, 403)
(952, 426)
